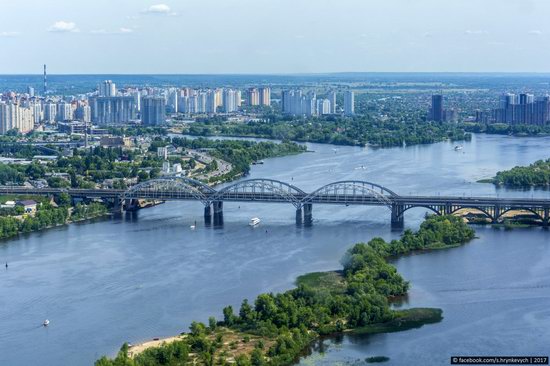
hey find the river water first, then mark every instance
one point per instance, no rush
(146, 274)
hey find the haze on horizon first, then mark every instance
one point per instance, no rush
(284, 36)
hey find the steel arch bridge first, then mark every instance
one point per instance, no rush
(171, 188)
(264, 190)
(351, 192)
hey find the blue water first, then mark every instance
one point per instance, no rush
(146, 275)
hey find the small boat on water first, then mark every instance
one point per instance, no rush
(46, 323)
(254, 221)
(459, 147)
(192, 227)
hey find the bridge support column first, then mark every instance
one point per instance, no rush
(117, 205)
(207, 215)
(546, 219)
(299, 217)
(496, 214)
(397, 218)
(218, 213)
(308, 214)
(130, 204)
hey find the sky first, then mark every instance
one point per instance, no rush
(273, 36)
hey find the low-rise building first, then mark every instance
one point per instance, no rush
(28, 205)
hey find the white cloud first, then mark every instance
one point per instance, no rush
(121, 30)
(535, 32)
(158, 9)
(476, 32)
(62, 26)
(9, 34)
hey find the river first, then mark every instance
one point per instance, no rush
(146, 274)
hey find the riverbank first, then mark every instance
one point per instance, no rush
(357, 298)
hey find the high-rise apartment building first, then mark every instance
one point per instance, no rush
(437, 108)
(64, 111)
(14, 116)
(252, 96)
(349, 103)
(153, 110)
(113, 110)
(524, 109)
(332, 99)
(50, 112)
(265, 96)
(231, 100)
(107, 89)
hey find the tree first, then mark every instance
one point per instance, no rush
(64, 199)
(228, 316)
(212, 323)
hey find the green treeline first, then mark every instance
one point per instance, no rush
(240, 153)
(93, 209)
(506, 129)
(536, 174)
(323, 303)
(359, 130)
(47, 216)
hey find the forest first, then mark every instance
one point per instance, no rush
(360, 130)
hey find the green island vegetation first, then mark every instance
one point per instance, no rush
(534, 175)
(276, 328)
(49, 213)
(359, 130)
(506, 129)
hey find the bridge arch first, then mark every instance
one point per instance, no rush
(171, 188)
(355, 190)
(481, 210)
(257, 187)
(408, 207)
(525, 209)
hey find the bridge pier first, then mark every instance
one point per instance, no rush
(299, 217)
(546, 218)
(496, 214)
(218, 213)
(117, 205)
(397, 218)
(308, 214)
(207, 215)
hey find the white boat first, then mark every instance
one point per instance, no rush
(254, 221)
(192, 227)
(459, 147)
(46, 323)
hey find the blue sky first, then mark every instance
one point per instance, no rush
(274, 36)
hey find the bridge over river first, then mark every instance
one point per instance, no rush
(274, 191)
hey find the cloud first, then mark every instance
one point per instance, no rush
(9, 34)
(62, 26)
(159, 9)
(535, 32)
(476, 32)
(121, 30)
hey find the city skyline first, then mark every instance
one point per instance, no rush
(174, 37)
